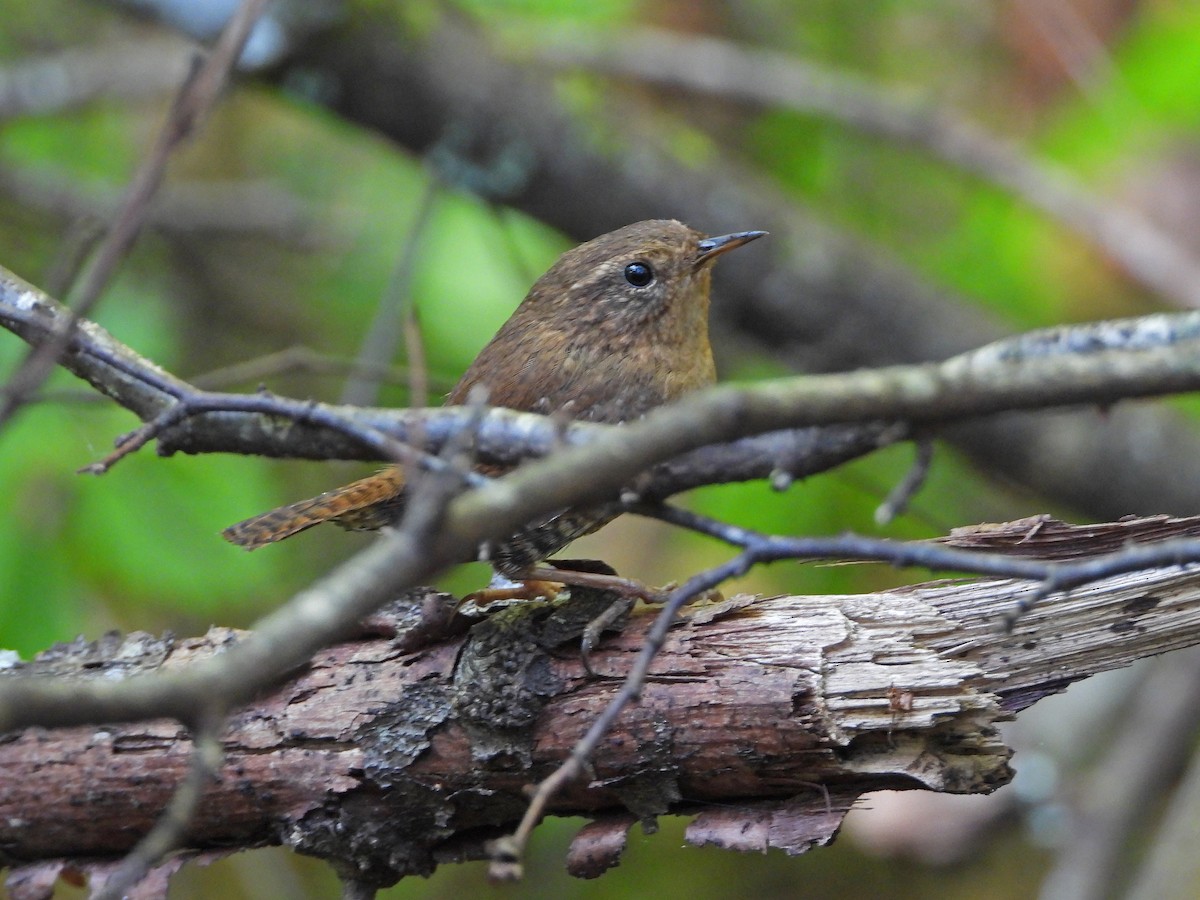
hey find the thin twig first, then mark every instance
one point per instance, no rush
(191, 404)
(508, 852)
(757, 548)
(901, 495)
(188, 402)
(396, 317)
(1051, 576)
(433, 486)
(195, 99)
(1094, 363)
(1079, 49)
(172, 825)
(306, 360)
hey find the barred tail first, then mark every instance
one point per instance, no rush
(362, 505)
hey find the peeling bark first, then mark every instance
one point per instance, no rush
(779, 711)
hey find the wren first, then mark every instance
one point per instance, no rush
(616, 327)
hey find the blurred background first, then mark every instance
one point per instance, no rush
(934, 175)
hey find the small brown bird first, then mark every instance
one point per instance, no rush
(616, 327)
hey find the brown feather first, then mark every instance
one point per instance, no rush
(585, 342)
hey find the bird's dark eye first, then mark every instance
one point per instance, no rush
(639, 274)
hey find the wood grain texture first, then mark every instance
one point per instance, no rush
(391, 762)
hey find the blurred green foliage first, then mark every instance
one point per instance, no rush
(139, 548)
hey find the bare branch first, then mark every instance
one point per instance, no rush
(145, 67)
(1099, 363)
(715, 67)
(168, 833)
(196, 97)
(396, 317)
(246, 207)
(897, 500)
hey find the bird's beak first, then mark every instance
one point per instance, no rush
(711, 248)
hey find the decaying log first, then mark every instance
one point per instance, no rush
(779, 712)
